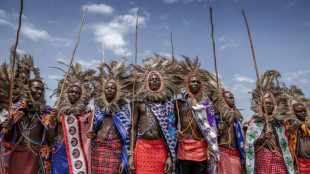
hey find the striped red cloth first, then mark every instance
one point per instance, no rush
(229, 162)
(150, 156)
(268, 162)
(106, 157)
(192, 150)
(303, 165)
(23, 161)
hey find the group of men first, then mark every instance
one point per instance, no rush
(158, 132)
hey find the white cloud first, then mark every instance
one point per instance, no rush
(3, 14)
(222, 38)
(99, 8)
(186, 22)
(170, 1)
(239, 78)
(303, 81)
(53, 22)
(163, 17)
(113, 33)
(89, 63)
(240, 90)
(20, 52)
(296, 75)
(222, 47)
(291, 4)
(5, 22)
(55, 77)
(36, 34)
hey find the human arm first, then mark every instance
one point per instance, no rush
(52, 131)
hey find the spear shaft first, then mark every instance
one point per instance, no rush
(256, 69)
(14, 56)
(77, 42)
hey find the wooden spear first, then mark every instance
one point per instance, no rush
(215, 64)
(77, 42)
(14, 56)
(176, 94)
(134, 84)
(257, 75)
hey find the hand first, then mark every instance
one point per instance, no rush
(91, 134)
(221, 127)
(267, 135)
(179, 135)
(211, 154)
(168, 165)
(121, 169)
(53, 116)
(131, 164)
(7, 123)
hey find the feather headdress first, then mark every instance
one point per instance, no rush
(75, 77)
(189, 68)
(271, 86)
(116, 72)
(297, 95)
(27, 68)
(162, 67)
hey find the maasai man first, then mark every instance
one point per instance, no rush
(72, 152)
(267, 147)
(112, 120)
(230, 135)
(197, 140)
(153, 118)
(25, 148)
(299, 131)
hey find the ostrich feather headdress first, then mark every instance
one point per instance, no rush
(271, 86)
(191, 68)
(116, 72)
(162, 67)
(75, 77)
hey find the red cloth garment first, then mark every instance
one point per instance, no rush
(303, 165)
(268, 162)
(22, 161)
(150, 156)
(192, 150)
(229, 162)
(106, 157)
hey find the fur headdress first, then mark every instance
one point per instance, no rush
(83, 80)
(162, 67)
(296, 95)
(116, 72)
(191, 68)
(227, 113)
(271, 86)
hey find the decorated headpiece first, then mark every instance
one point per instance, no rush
(271, 87)
(165, 70)
(227, 113)
(191, 68)
(27, 69)
(81, 79)
(117, 73)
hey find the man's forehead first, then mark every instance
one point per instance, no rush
(75, 88)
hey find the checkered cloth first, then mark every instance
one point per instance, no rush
(106, 157)
(230, 162)
(192, 150)
(22, 161)
(150, 156)
(268, 162)
(303, 165)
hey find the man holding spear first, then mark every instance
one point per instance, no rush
(72, 152)
(112, 119)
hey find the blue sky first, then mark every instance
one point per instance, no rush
(280, 31)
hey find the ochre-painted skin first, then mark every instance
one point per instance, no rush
(37, 92)
(110, 91)
(223, 136)
(301, 114)
(270, 135)
(154, 82)
(74, 94)
(194, 85)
